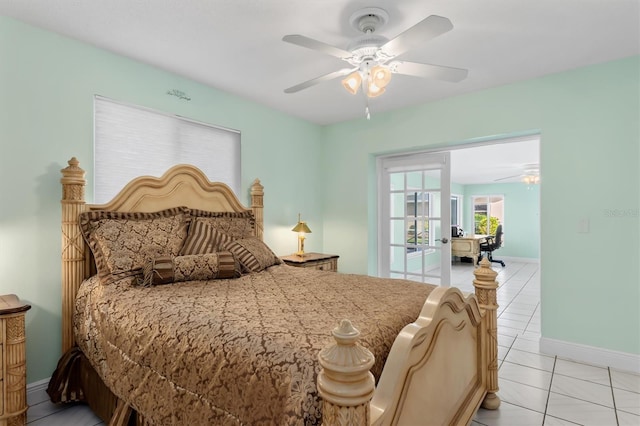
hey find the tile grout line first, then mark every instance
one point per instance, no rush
(613, 396)
(546, 405)
(516, 295)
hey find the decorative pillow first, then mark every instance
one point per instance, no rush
(122, 242)
(203, 238)
(235, 224)
(253, 254)
(199, 267)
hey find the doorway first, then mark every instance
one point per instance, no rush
(494, 169)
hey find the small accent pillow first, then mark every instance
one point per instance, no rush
(252, 253)
(200, 267)
(235, 224)
(122, 242)
(203, 238)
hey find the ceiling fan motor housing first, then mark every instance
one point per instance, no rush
(366, 47)
(369, 19)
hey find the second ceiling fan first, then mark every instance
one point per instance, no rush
(372, 57)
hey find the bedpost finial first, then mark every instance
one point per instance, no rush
(484, 272)
(345, 383)
(257, 188)
(73, 181)
(345, 333)
(73, 170)
(346, 354)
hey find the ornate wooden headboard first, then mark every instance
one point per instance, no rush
(182, 185)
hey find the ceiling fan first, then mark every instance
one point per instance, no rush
(530, 175)
(372, 57)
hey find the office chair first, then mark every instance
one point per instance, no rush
(491, 244)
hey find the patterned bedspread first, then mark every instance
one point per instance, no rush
(235, 351)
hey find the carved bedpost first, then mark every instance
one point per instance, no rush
(345, 383)
(486, 286)
(73, 248)
(257, 195)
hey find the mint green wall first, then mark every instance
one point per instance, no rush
(47, 83)
(589, 124)
(521, 216)
(588, 119)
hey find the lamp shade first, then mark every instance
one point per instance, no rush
(301, 227)
(374, 90)
(380, 76)
(352, 82)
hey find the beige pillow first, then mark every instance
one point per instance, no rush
(123, 242)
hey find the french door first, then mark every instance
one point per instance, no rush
(415, 217)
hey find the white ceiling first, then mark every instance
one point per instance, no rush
(500, 162)
(236, 46)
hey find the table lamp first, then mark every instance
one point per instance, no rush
(301, 228)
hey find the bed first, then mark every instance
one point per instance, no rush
(192, 319)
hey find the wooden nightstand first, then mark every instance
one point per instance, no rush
(13, 361)
(323, 262)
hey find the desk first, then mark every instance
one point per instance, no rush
(467, 246)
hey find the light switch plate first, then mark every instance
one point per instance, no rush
(583, 225)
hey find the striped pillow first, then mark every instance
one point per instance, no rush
(235, 224)
(252, 253)
(203, 238)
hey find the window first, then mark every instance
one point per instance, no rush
(418, 212)
(487, 209)
(456, 210)
(131, 141)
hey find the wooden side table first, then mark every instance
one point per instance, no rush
(321, 261)
(13, 361)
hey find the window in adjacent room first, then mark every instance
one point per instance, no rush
(132, 141)
(488, 212)
(456, 210)
(418, 212)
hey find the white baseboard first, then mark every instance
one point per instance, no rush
(39, 385)
(37, 392)
(591, 355)
(518, 259)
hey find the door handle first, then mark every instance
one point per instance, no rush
(444, 240)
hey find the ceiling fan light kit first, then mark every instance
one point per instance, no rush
(371, 55)
(530, 175)
(352, 82)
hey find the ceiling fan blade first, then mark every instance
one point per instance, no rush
(439, 72)
(317, 80)
(505, 178)
(430, 27)
(310, 43)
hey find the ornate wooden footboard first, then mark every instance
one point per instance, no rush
(440, 369)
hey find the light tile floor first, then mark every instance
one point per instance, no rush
(535, 389)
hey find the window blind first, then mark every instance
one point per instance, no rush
(132, 141)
